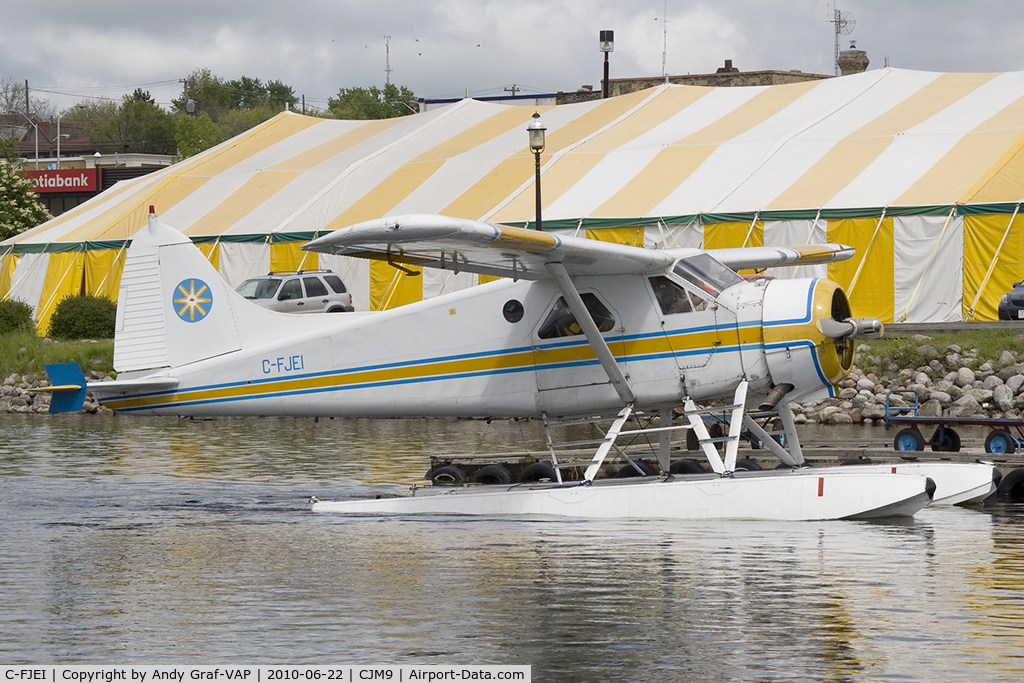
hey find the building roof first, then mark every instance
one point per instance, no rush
(910, 140)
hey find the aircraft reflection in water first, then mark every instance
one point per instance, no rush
(581, 329)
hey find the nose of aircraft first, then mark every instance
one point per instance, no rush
(808, 332)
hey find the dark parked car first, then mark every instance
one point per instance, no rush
(1011, 304)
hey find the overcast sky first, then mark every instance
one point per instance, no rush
(442, 48)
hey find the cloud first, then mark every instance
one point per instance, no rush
(445, 47)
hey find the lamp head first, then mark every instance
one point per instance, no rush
(536, 130)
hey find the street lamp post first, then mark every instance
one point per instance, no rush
(79, 106)
(607, 39)
(536, 130)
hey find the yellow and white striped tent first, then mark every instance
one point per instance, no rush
(922, 172)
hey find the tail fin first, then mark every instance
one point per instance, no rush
(167, 310)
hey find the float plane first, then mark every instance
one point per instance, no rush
(576, 329)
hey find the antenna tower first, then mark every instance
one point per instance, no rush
(387, 59)
(843, 22)
(664, 42)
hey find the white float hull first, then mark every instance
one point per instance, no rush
(774, 495)
(956, 483)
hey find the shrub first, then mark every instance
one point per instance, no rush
(84, 317)
(15, 316)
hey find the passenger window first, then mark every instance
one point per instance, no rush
(562, 323)
(674, 299)
(336, 284)
(314, 287)
(291, 289)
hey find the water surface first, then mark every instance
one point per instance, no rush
(158, 541)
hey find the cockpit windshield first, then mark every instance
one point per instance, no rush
(706, 273)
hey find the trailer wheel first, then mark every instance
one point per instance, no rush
(1000, 441)
(449, 475)
(693, 441)
(908, 439)
(538, 471)
(628, 470)
(492, 474)
(748, 464)
(945, 440)
(686, 466)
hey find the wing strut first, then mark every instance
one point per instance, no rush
(597, 342)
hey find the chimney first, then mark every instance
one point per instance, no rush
(728, 68)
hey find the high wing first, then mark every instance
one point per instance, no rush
(773, 257)
(458, 245)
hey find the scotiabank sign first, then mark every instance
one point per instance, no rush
(65, 180)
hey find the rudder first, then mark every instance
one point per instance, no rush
(167, 310)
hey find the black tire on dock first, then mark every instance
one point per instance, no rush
(945, 440)
(1011, 486)
(1000, 441)
(492, 474)
(748, 464)
(692, 441)
(908, 439)
(629, 471)
(686, 466)
(448, 475)
(538, 471)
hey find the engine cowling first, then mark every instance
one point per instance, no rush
(808, 336)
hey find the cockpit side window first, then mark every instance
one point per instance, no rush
(562, 323)
(674, 299)
(706, 274)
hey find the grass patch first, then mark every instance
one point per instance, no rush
(97, 355)
(903, 351)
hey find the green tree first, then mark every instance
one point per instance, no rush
(137, 124)
(237, 121)
(209, 94)
(195, 134)
(279, 94)
(19, 209)
(372, 102)
(8, 147)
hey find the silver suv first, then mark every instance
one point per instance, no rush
(319, 291)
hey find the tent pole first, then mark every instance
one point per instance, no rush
(753, 224)
(810, 236)
(991, 266)
(903, 318)
(864, 259)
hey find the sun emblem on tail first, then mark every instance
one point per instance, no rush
(192, 300)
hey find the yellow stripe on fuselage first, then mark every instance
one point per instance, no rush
(637, 349)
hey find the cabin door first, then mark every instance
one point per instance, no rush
(563, 357)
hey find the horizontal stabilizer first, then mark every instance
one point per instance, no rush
(132, 386)
(69, 387)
